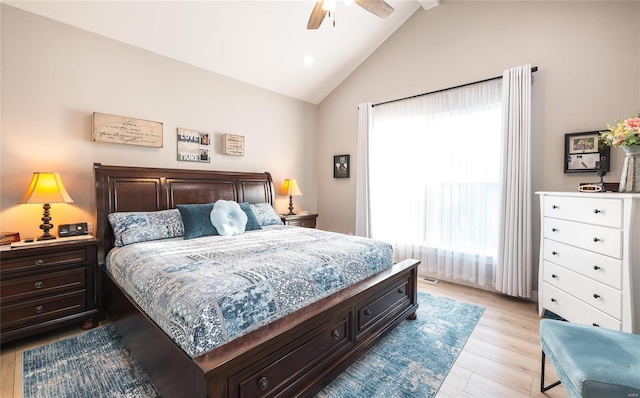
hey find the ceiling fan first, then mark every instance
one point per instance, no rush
(379, 8)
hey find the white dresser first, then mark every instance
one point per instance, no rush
(590, 258)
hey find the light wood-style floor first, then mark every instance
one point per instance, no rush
(500, 359)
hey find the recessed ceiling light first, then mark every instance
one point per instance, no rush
(307, 60)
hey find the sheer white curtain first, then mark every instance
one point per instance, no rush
(363, 226)
(514, 259)
(434, 170)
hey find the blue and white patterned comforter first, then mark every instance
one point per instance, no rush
(205, 292)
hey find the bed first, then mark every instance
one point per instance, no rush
(294, 355)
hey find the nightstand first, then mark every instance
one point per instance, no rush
(44, 287)
(300, 220)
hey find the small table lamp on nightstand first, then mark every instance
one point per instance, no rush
(290, 187)
(46, 188)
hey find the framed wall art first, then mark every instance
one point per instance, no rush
(194, 146)
(126, 130)
(341, 166)
(584, 153)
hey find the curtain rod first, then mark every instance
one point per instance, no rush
(533, 69)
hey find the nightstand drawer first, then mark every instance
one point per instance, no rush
(303, 223)
(42, 309)
(46, 260)
(300, 220)
(38, 285)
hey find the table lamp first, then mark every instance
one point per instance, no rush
(290, 187)
(46, 188)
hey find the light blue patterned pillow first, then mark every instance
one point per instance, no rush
(134, 227)
(265, 214)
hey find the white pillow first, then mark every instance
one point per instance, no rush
(228, 218)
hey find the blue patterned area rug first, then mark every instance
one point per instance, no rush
(411, 361)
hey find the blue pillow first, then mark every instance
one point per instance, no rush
(252, 221)
(265, 214)
(134, 227)
(228, 218)
(196, 220)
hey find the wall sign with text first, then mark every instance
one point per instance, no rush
(194, 145)
(233, 144)
(126, 130)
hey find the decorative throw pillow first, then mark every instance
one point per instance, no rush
(196, 220)
(228, 218)
(252, 221)
(134, 227)
(265, 214)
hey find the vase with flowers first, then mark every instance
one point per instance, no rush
(626, 135)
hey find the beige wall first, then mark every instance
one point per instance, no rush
(589, 74)
(55, 76)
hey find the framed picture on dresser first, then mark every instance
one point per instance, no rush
(584, 153)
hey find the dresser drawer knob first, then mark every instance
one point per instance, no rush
(263, 383)
(596, 295)
(39, 261)
(553, 300)
(39, 309)
(597, 211)
(400, 290)
(554, 207)
(596, 325)
(554, 229)
(367, 312)
(554, 275)
(335, 335)
(596, 240)
(39, 285)
(554, 253)
(596, 267)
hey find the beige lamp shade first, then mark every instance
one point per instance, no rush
(46, 188)
(290, 187)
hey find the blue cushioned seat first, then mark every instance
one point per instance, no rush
(592, 361)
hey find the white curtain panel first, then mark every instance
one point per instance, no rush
(362, 170)
(513, 276)
(434, 169)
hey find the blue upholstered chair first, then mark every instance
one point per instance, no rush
(591, 361)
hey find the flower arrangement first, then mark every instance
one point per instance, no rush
(623, 133)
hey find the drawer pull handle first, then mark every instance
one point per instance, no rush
(596, 325)
(335, 335)
(596, 295)
(39, 309)
(596, 267)
(553, 300)
(554, 207)
(554, 229)
(263, 383)
(367, 312)
(554, 275)
(597, 211)
(554, 253)
(39, 261)
(400, 290)
(596, 239)
(39, 285)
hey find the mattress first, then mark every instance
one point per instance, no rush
(208, 291)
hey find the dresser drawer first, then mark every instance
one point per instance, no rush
(38, 285)
(42, 309)
(287, 365)
(605, 212)
(389, 304)
(575, 310)
(607, 241)
(602, 297)
(48, 260)
(595, 266)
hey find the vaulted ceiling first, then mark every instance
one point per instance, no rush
(259, 42)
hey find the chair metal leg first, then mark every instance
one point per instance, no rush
(542, 387)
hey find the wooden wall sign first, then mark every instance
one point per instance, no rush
(233, 144)
(126, 130)
(194, 146)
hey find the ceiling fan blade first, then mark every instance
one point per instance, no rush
(317, 16)
(377, 7)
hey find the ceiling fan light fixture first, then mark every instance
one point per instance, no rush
(329, 5)
(307, 60)
(347, 3)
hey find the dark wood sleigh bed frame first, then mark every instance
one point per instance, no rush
(294, 356)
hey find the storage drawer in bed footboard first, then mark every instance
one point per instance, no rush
(389, 304)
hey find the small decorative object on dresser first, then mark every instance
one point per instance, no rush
(626, 134)
(583, 153)
(300, 220)
(589, 257)
(47, 286)
(6, 238)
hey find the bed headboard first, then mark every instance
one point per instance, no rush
(121, 188)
